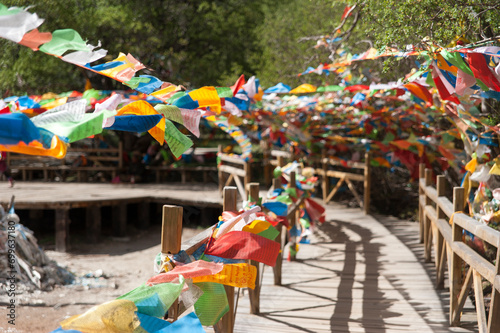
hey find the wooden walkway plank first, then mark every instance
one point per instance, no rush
(355, 276)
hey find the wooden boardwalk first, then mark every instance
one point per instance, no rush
(45, 195)
(62, 197)
(355, 276)
(359, 274)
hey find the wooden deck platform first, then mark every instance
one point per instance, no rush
(62, 197)
(355, 276)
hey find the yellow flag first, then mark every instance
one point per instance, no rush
(236, 275)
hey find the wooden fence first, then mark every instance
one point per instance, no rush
(233, 169)
(346, 176)
(107, 160)
(171, 244)
(442, 227)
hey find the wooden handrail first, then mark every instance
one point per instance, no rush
(445, 221)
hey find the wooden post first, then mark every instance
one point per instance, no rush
(456, 261)
(93, 223)
(439, 250)
(421, 173)
(325, 183)
(267, 166)
(367, 183)
(427, 221)
(62, 229)
(280, 238)
(226, 324)
(120, 155)
(221, 174)
(494, 316)
(293, 220)
(248, 177)
(171, 240)
(120, 220)
(254, 295)
(281, 161)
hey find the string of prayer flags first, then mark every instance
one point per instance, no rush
(189, 118)
(212, 305)
(177, 142)
(144, 108)
(245, 245)
(190, 270)
(186, 324)
(113, 316)
(156, 299)
(241, 275)
(16, 22)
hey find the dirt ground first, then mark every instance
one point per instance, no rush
(126, 264)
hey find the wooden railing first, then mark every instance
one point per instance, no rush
(442, 226)
(347, 177)
(103, 159)
(171, 244)
(233, 169)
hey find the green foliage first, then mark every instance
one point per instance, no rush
(193, 43)
(282, 56)
(398, 23)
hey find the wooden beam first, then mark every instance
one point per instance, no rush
(335, 189)
(240, 187)
(461, 298)
(232, 170)
(354, 192)
(478, 295)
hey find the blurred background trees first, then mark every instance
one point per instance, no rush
(201, 42)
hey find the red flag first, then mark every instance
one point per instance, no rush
(346, 10)
(239, 83)
(481, 71)
(245, 245)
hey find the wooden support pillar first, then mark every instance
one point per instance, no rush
(325, 180)
(120, 220)
(427, 221)
(143, 215)
(254, 295)
(93, 223)
(456, 261)
(281, 239)
(293, 220)
(247, 167)
(171, 240)
(439, 249)
(62, 229)
(268, 171)
(367, 183)
(221, 174)
(421, 174)
(281, 162)
(226, 324)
